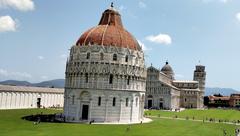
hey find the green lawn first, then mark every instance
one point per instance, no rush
(11, 124)
(199, 114)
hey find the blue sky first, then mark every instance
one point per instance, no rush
(35, 35)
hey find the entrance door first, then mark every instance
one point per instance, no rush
(39, 102)
(85, 112)
(161, 105)
(149, 104)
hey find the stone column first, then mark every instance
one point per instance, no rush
(142, 106)
(78, 103)
(97, 80)
(54, 99)
(75, 81)
(16, 98)
(131, 112)
(139, 107)
(106, 108)
(90, 109)
(49, 100)
(120, 113)
(3, 100)
(19, 100)
(11, 100)
(24, 100)
(66, 106)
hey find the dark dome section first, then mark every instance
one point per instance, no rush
(109, 32)
(167, 68)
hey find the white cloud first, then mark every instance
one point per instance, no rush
(144, 48)
(238, 16)
(3, 72)
(41, 57)
(142, 4)
(160, 39)
(14, 75)
(22, 5)
(7, 24)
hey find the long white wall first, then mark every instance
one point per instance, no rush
(20, 100)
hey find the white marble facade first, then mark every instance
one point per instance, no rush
(164, 92)
(88, 83)
(105, 82)
(22, 97)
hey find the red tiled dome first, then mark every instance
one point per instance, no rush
(109, 32)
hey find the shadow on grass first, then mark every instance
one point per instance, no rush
(51, 118)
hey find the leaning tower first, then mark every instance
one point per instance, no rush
(200, 76)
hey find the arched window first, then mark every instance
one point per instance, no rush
(86, 77)
(88, 55)
(101, 56)
(111, 79)
(127, 102)
(126, 58)
(128, 80)
(73, 99)
(114, 57)
(136, 102)
(114, 101)
(99, 101)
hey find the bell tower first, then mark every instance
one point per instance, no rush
(200, 76)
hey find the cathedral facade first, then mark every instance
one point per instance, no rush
(164, 92)
(105, 75)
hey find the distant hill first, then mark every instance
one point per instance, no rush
(15, 82)
(217, 90)
(57, 83)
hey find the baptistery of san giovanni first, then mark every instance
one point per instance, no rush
(105, 74)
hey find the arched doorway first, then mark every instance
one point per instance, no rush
(38, 102)
(150, 101)
(85, 109)
(161, 103)
(85, 105)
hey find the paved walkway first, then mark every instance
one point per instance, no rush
(145, 120)
(196, 120)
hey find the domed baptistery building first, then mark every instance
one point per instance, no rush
(105, 75)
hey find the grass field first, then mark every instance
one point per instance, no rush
(199, 114)
(11, 124)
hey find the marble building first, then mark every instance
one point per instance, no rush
(164, 92)
(105, 74)
(22, 97)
